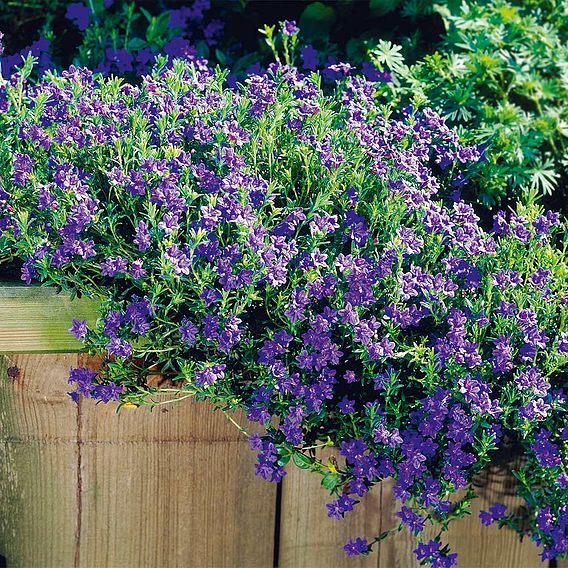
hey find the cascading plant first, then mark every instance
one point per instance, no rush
(303, 256)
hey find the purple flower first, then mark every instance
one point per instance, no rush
(28, 270)
(502, 357)
(547, 453)
(121, 58)
(179, 259)
(337, 509)
(179, 47)
(83, 380)
(427, 550)
(78, 329)
(188, 331)
(448, 561)
(142, 239)
(113, 266)
(212, 30)
(210, 327)
(495, 513)
(137, 270)
(169, 223)
(540, 278)
(531, 379)
(267, 466)
(383, 436)
(310, 57)
(79, 14)
(209, 296)
(413, 521)
(535, 410)
(289, 28)
(23, 167)
(323, 224)
(107, 392)
(210, 375)
(231, 334)
(137, 314)
(119, 348)
(544, 223)
(356, 547)
(45, 199)
(346, 406)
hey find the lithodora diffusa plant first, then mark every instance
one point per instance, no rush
(302, 256)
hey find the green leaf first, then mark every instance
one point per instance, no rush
(380, 7)
(316, 20)
(147, 14)
(202, 49)
(330, 481)
(221, 58)
(137, 43)
(302, 461)
(388, 54)
(283, 460)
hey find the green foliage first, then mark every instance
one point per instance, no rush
(316, 20)
(501, 77)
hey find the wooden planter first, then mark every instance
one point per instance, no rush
(82, 485)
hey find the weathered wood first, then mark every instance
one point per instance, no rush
(81, 485)
(309, 539)
(38, 463)
(84, 486)
(35, 319)
(477, 546)
(183, 489)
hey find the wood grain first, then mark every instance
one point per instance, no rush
(308, 537)
(36, 320)
(184, 489)
(38, 463)
(82, 485)
(477, 546)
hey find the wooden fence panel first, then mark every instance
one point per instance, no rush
(38, 465)
(84, 486)
(477, 546)
(311, 540)
(308, 537)
(36, 320)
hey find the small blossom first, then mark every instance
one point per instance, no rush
(79, 329)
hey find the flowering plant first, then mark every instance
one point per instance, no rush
(303, 256)
(119, 37)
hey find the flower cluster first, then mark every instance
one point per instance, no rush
(122, 38)
(303, 256)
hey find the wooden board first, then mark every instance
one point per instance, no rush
(36, 320)
(308, 537)
(81, 485)
(38, 463)
(477, 546)
(311, 540)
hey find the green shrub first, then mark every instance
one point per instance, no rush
(501, 77)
